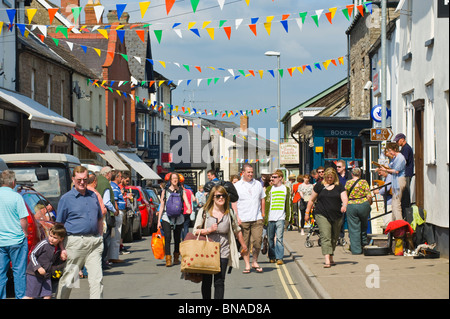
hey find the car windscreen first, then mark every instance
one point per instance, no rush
(152, 195)
(40, 207)
(51, 188)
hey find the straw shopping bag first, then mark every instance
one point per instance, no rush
(200, 256)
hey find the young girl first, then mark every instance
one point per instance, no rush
(218, 221)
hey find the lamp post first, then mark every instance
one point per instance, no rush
(277, 54)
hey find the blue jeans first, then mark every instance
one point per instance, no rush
(276, 247)
(17, 255)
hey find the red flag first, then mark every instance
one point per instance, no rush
(228, 32)
(169, 5)
(51, 13)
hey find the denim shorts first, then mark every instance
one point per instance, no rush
(38, 286)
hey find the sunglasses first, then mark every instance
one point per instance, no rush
(274, 176)
(220, 196)
(320, 172)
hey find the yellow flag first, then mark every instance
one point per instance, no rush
(1, 27)
(205, 24)
(300, 69)
(191, 25)
(248, 2)
(268, 26)
(161, 83)
(99, 52)
(270, 18)
(333, 12)
(326, 64)
(163, 64)
(30, 14)
(261, 72)
(103, 32)
(210, 32)
(144, 6)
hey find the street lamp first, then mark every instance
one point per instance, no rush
(278, 54)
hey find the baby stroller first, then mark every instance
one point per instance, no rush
(313, 230)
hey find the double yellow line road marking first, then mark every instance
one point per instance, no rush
(290, 284)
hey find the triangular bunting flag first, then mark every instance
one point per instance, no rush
(228, 32)
(98, 12)
(210, 32)
(144, 6)
(221, 3)
(141, 35)
(169, 5)
(253, 28)
(30, 14)
(120, 9)
(158, 34)
(194, 4)
(120, 35)
(76, 13)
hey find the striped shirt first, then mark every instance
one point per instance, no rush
(277, 203)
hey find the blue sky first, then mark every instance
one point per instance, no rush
(245, 51)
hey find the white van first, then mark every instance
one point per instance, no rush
(50, 173)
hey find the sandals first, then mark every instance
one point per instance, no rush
(327, 266)
(246, 271)
(258, 269)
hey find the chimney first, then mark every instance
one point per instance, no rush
(244, 123)
(66, 8)
(112, 17)
(89, 13)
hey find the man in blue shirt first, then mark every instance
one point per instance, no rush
(116, 236)
(408, 154)
(81, 214)
(13, 233)
(397, 170)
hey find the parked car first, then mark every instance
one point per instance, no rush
(147, 209)
(41, 218)
(49, 173)
(131, 225)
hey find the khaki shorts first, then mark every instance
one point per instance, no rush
(252, 233)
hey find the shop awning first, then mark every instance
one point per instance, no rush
(108, 154)
(41, 117)
(83, 140)
(139, 166)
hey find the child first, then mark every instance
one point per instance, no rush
(43, 256)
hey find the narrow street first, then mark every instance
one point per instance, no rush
(144, 277)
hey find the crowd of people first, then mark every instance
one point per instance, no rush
(87, 233)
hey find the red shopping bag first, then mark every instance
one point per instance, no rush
(158, 244)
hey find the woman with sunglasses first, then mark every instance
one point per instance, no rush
(218, 221)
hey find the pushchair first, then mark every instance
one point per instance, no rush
(313, 230)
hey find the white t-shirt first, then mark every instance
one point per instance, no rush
(249, 203)
(277, 203)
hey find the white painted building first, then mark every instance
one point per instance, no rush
(418, 91)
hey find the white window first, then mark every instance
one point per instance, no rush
(430, 129)
(142, 118)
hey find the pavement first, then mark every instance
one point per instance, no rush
(368, 277)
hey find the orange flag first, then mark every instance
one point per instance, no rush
(253, 28)
(169, 5)
(141, 34)
(51, 13)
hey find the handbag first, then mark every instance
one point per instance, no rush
(110, 219)
(200, 256)
(158, 243)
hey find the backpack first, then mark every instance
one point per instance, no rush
(174, 204)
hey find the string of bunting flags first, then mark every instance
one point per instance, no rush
(177, 27)
(163, 107)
